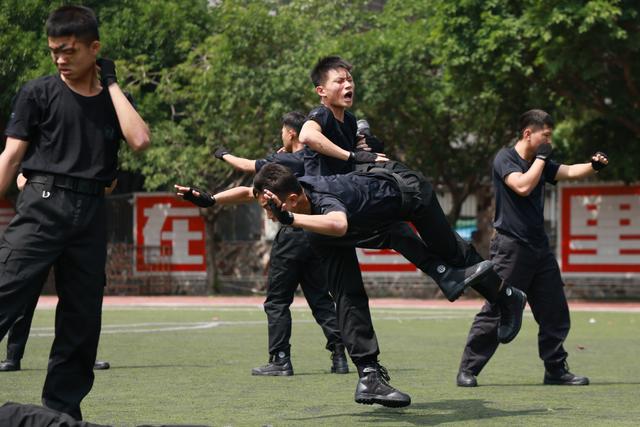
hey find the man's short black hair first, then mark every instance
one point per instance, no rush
(278, 179)
(78, 21)
(324, 65)
(536, 120)
(294, 120)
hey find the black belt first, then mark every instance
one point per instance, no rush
(407, 192)
(79, 185)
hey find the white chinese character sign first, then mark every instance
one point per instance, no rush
(600, 229)
(169, 235)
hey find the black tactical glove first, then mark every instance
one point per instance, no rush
(544, 151)
(204, 200)
(597, 164)
(283, 217)
(362, 157)
(221, 151)
(107, 71)
(375, 144)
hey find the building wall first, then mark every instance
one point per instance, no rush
(242, 243)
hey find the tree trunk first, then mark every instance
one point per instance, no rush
(484, 219)
(210, 245)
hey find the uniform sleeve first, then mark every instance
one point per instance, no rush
(503, 165)
(260, 163)
(550, 172)
(23, 121)
(327, 203)
(320, 115)
(288, 160)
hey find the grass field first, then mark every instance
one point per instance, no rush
(191, 365)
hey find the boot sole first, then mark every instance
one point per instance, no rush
(552, 382)
(508, 339)
(272, 374)
(485, 268)
(339, 371)
(370, 399)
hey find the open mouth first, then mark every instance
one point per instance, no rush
(348, 96)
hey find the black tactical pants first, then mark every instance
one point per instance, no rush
(535, 271)
(66, 230)
(19, 332)
(293, 262)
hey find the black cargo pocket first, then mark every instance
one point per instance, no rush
(5, 252)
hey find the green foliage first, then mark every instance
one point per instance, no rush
(441, 82)
(23, 47)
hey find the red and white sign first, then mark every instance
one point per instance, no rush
(600, 229)
(169, 235)
(385, 262)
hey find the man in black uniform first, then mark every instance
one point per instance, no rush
(64, 132)
(19, 332)
(330, 133)
(520, 250)
(354, 203)
(291, 263)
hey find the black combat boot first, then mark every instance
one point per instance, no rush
(373, 387)
(466, 379)
(558, 374)
(454, 281)
(511, 302)
(339, 363)
(279, 365)
(9, 365)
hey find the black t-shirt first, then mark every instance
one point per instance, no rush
(367, 201)
(518, 216)
(68, 134)
(293, 161)
(343, 134)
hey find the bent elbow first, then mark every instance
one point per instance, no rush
(306, 139)
(340, 228)
(140, 142)
(523, 192)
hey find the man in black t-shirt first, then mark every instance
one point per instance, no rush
(64, 133)
(330, 131)
(520, 250)
(342, 205)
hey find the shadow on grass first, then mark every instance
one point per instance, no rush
(120, 367)
(591, 384)
(434, 413)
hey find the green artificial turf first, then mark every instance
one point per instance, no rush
(192, 366)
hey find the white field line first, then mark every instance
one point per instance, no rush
(152, 327)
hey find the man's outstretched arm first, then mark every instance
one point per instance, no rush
(238, 163)
(232, 196)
